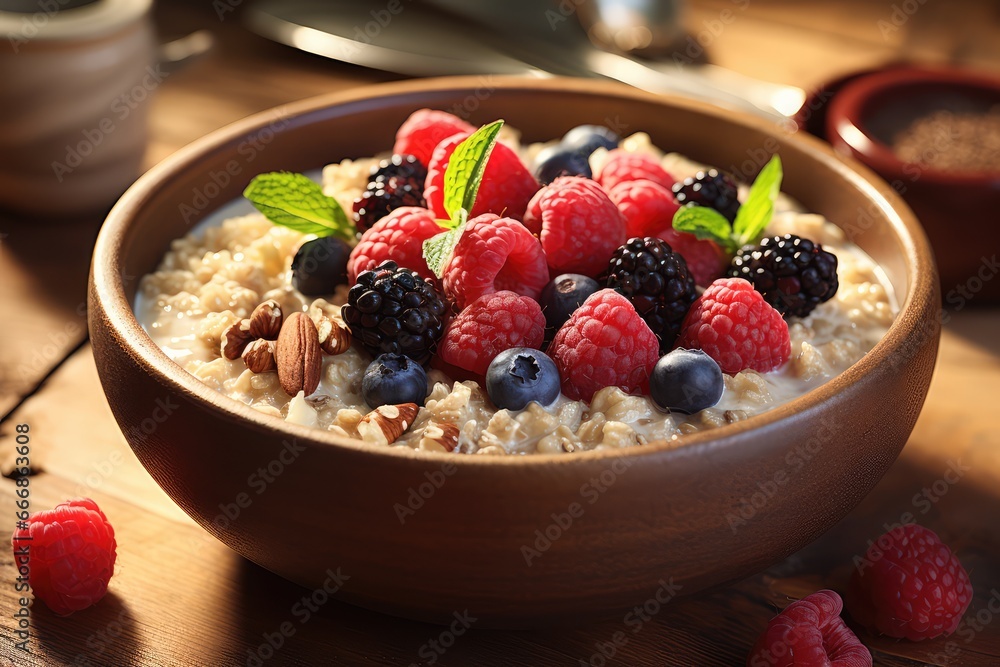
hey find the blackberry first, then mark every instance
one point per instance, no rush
(794, 274)
(377, 201)
(657, 282)
(709, 188)
(393, 310)
(400, 169)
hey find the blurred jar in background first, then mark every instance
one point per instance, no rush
(75, 81)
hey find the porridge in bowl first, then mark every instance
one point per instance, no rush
(472, 295)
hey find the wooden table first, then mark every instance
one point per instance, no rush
(181, 598)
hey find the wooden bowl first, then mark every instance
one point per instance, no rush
(514, 540)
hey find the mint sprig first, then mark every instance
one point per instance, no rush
(462, 178)
(751, 219)
(297, 202)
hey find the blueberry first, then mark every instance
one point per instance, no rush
(588, 138)
(554, 161)
(520, 375)
(392, 379)
(686, 381)
(564, 295)
(320, 265)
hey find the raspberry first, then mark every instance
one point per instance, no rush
(624, 166)
(71, 554)
(579, 226)
(604, 344)
(400, 237)
(494, 254)
(712, 189)
(488, 326)
(909, 585)
(506, 188)
(420, 134)
(736, 327)
(810, 633)
(794, 274)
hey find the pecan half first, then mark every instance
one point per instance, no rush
(235, 339)
(386, 423)
(298, 355)
(265, 320)
(259, 356)
(334, 337)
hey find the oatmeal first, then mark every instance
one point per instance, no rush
(212, 283)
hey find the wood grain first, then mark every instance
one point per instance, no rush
(181, 598)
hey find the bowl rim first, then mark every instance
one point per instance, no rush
(107, 284)
(846, 128)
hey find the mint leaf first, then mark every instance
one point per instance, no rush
(297, 202)
(465, 170)
(705, 223)
(755, 214)
(438, 248)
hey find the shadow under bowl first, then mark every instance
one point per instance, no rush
(516, 541)
(958, 209)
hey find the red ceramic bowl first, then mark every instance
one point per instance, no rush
(957, 209)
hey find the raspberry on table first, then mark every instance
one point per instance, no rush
(657, 282)
(391, 309)
(494, 254)
(505, 190)
(794, 274)
(488, 326)
(712, 189)
(810, 633)
(72, 553)
(909, 585)
(400, 237)
(623, 166)
(378, 201)
(420, 134)
(578, 224)
(604, 344)
(734, 325)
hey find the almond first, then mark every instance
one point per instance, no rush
(265, 320)
(334, 337)
(235, 339)
(259, 356)
(386, 423)
(298, 355)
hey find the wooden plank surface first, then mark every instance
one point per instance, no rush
(181, 598)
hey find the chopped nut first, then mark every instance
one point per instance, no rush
(334, 338)
(259, 356)
(733, 416)
(299, 359)
(386, 423)
(235, 339)
(444, 434)
(265, 320)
